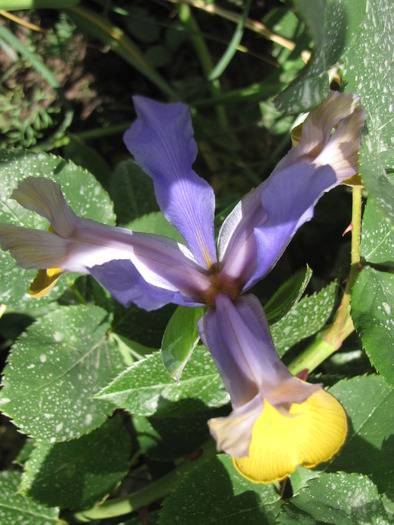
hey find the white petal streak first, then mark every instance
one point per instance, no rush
(33, 248)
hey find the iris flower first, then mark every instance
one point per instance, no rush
(278, 421)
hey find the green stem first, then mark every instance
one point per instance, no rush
(190, 23)
(76, 292)
(331, 339)
(155, 491)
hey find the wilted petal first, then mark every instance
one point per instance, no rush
(318, 145)
(342, 150)
(161, 141)
(313, 433)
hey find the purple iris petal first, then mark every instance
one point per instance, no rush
(161, 141)
(287, 199)
(125, 283)
(238, 337)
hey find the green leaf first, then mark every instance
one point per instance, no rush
(54, 370)
(180, 339)
(142, 25)
(332, 24)
(82, 193)
(132, 192)
(372, 312)
(215, 493)
(65, 475)
(156, 223)
(146, 388)
(376, 171)
(178, 430)
(88, 158)
(15, 508)
(335, 498)
(367, 72)
(377, 245)
(138, 325)
(287, 295)
(368, 450)
(305, 319)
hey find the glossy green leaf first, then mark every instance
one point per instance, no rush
(367, 72)
(333, 26)
(179, 339)
(368, 449)
(54, 370)
(15, 508)
(82, 193)
(287, 295)
(132, 192)
(215, 493)
(64, 475)
(305, 319)
(335, 498)
(377, 243)
(372, 313)
(377, 174)
(147, 388)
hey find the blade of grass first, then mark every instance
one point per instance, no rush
(17, 5)
(120, 44)
(232, 45)
(33, 59)
(21, 22)
(259, 91)
(195, 35)
(253, 25)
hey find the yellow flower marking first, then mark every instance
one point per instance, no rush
(279, 443)
(44, 281)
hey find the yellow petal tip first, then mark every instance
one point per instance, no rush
(313, 433)
(44, 281)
